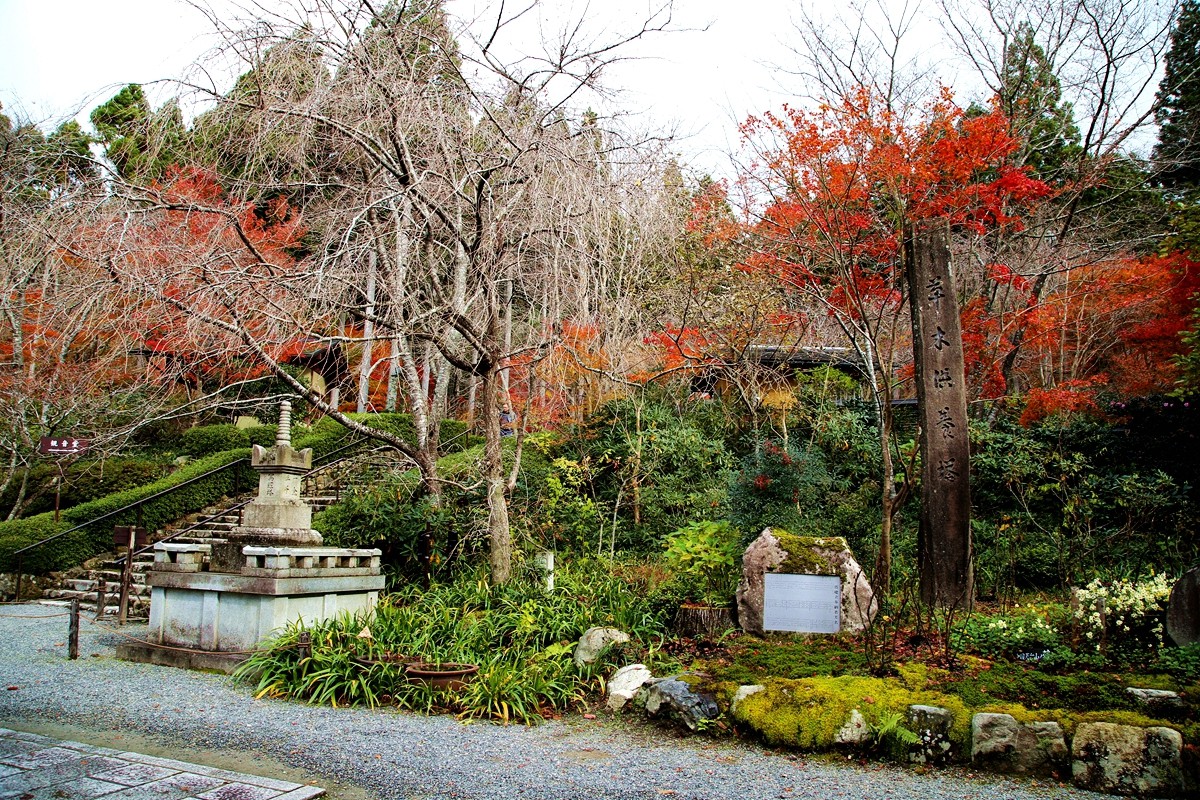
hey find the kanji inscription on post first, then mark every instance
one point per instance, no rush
(944, 544)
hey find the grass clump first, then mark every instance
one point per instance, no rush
(520, 636)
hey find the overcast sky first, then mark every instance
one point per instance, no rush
(62, 57)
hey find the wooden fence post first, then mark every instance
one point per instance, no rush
(73, 631)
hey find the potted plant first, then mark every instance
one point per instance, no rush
(446, 675)
(703, 556)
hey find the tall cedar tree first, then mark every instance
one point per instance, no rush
(1178, 110)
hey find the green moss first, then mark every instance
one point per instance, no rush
(1008, 682)
(801, 560)
(808, 713)
(753, 660)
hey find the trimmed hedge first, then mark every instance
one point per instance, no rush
(78, 546)
(205, 440)
(86, 479)
(263, 435)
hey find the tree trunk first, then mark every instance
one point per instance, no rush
(499, 532)
(364, 367)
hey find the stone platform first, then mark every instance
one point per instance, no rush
(34, 766)
(213, 620)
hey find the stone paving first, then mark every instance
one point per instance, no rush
(34, 767)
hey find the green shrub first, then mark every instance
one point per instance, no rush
(1181, 662)
(205, 440)
(262, 435)
(1018, 636)
(658, 464)
(781, 487)
(704, 555)
(521, 636)
(1064, 501)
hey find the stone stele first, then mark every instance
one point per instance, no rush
(778, 551)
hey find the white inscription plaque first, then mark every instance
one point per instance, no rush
(802, 603)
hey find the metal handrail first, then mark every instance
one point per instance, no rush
(236, 507)
(132, 506)
(198, 524)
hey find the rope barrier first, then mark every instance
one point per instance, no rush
(35, 616)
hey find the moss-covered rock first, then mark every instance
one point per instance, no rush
(808, 713)
(777, 551)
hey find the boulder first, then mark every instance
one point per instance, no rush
(674, 698)
(1123, 759)
(781, 552)
(593, 642)
(742, 693)
(1183, 609)
(932, 725)
(855, 733)
(1001, 744)
(625, 683)
(1157, 701)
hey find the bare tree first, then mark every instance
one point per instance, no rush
(456, 202)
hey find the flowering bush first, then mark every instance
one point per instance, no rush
(1123, 618)
(1020, 636)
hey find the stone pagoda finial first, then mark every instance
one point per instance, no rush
(283, 434)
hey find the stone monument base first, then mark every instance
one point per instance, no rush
(213, 620)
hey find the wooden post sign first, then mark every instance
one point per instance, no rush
(944, 540)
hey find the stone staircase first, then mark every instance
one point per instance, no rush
(84, 583)
(322, 488)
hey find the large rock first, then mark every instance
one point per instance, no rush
(779, 551)
(674, 698)
(1001, 744)
(1157, 701)
(1122, 759)
(855, 732)
(1183, 609)
(932, 726)
(593, 642)
(625, 683)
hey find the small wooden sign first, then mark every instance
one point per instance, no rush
(802, 603)
(121, 536)
(62, 445)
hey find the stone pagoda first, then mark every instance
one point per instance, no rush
(212, 603)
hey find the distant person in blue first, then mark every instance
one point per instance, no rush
(508, 420)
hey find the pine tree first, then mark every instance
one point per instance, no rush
(1177, 154)
(1031, 97)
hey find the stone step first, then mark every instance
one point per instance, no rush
(90, 608)
(88, 598)
(113, 578)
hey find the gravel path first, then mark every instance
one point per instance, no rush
(389, 754)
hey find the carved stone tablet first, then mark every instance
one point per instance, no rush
(802, 603)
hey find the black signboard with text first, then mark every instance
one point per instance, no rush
(62, 445)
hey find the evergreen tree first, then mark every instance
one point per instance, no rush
(1178, 104)
(1031, 97)
(141, 144)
